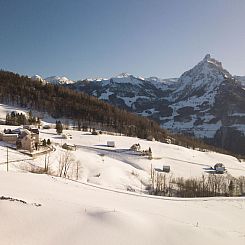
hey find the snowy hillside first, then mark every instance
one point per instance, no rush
(46, 210)
(4, 109)
(119, 167)
(104, 199)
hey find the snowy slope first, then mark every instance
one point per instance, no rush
(241, 79)
(95, 207)
(59, 80)
(4, 109)
(58, 211)
(119, 167)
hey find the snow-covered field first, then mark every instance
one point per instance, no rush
(119, 167)
(59, 211)
(93, 206)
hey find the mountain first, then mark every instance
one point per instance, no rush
(38, 78)
(145, 96)
(53, 79)
(209, 103)
(59, 80)
(206, 101)
(205, 78)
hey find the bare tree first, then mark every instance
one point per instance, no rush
(66, 160)
(78, 166)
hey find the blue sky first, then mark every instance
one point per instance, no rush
(102, 38)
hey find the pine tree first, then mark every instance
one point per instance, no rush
(59, 127)
(231, 188)
(44, 142)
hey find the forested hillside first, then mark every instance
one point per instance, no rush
(81, 108)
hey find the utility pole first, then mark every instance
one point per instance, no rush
(45, 164)
(7, 159)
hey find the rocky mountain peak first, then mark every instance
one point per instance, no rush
(205, 77)
(207, 57)
(212, 65)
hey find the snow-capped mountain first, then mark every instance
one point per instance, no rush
(38, 78)
(204, 78)
(53, 79)
(135, 94)
(206, 101)
(58, 80)
(209, 103)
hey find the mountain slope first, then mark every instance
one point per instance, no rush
(132, 93)
(209, 102)
(194, 104)
(241, 79)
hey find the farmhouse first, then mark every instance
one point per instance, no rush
(34, 131)
(9, 138)
(135, 147)
(22, 138)
(27, 140)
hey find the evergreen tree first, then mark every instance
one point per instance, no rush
(231, 188)
(8, 119)
(59, 127)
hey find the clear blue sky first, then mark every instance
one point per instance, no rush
(101, 38)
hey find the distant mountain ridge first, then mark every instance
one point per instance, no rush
(58, 80)
(206, 101)
(53, 79)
